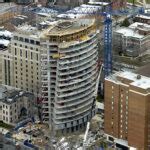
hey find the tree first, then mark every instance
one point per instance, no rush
(125, 23)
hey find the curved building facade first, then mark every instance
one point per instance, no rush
(69, 74)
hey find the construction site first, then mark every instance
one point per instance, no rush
(63, 57)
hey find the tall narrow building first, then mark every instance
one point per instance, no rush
(21, 62)
(127, 110)
(69, 74)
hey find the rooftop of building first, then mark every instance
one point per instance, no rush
(5, 33)
(4, 42)
(10, 95)
(5, 37)
(144, 70)
(139, 25)
(137, 80)
(4, 7)
(43, 11)
(143, 16)
(35, 30)
(81, 11)
(29, 30)
(129, 32)
(99, 3)
(65, 27)
(133, 30)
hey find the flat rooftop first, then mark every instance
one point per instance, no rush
(5, 33)
(81, 11)
(29, 30)
(4, 42)
(4, 7)
(143, 16)
(43, 11)
(144, 70)
(129, 32)
(70, 26)
(10, 96)
(139, 25)
(99, 3)
(136, 79)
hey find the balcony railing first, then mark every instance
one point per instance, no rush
(80, 56)
(75, 107)
(75, 71)
(75, 92)
(79, 63)
(76, 76)
(81, 46)
(75, 98)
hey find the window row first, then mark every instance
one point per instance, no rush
(26, 54)
(26, 40)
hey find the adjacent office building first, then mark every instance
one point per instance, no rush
(21, 63)
(127, 110)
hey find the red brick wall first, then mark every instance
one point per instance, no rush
(137, 124)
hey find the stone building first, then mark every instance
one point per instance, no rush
(15, 105)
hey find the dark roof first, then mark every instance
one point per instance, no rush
(12, 96)
(144, 70)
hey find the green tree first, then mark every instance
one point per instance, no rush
(125, 23)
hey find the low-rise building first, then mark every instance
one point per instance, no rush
(15, 105)
(133, 40)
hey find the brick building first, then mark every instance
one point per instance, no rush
(127, 110)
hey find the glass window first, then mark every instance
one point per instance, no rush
(20, 52)
(15, 38)
(26, 54)
(31, 55)
(21, 39)
(37, 57)
(26, 40)
(32, 41)
(37, 43)
(15, 51)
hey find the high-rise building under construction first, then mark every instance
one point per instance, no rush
(69, 74)
(60, 63)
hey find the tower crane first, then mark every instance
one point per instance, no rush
(107, 27)
(107, 37)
